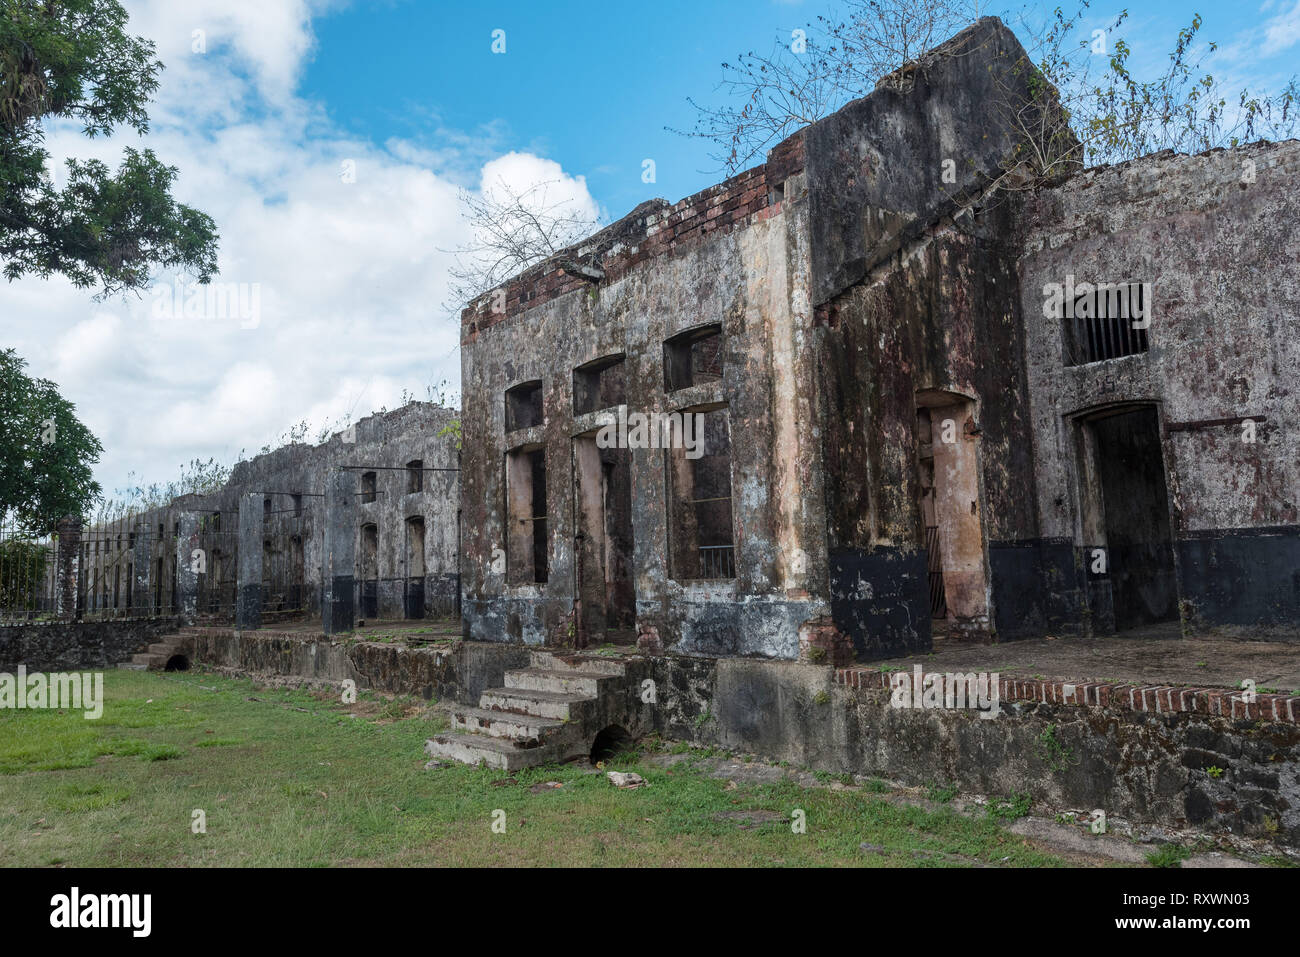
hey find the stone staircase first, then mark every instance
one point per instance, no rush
(162, 651)
(549, 711)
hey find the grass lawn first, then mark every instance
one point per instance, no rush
(290, 778)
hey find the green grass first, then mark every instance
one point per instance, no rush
(296, 779)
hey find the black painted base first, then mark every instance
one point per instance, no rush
(338, 606)
(1037, 588)
(881, 599)
(1241, 576)
(248, 608)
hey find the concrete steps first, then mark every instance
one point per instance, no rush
(543, 704)
(527, 729)
(162, 651)
(562, 682)
(480, 749)
(546, 712)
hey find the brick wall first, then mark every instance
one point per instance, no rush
(653, 229)
(1157, 699)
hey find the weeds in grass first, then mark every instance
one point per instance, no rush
(942, 795)
(1169, 855)
(1010, 809)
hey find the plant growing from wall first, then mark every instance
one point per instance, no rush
(1053, 751)
(1010, 809)
(1072, 99)
(511, 229)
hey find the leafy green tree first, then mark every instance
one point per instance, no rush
(46, 454)
(73, 60)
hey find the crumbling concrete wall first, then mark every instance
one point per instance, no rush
(737, 255)
(914, 280)
(1147, 765)
(822, 408)
(384, 443)
(1215, 236)
(878, 283)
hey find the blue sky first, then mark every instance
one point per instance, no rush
(595, 86)
(264, 102)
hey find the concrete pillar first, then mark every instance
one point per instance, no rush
(191, 561)
(248, 599)
(338, 553)
(141, 568)
(67, 567)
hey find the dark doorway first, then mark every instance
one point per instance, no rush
(414, 600)
(370, 571)
(604, 485)
(701, 532)
(1139, 557)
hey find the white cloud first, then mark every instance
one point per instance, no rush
(350, 275)
(1282, 31)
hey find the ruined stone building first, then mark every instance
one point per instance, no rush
(402, 472)
(933, 397)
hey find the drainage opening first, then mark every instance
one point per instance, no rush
(177, 663)
(610, 743)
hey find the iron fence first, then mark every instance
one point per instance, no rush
(27, 574)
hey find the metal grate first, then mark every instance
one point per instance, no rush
(934, 564)
(1108, 331)
(717, 561)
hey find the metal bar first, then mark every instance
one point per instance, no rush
(390, 468)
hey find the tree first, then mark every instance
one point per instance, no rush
(46, 454)
(72, 59)
(1084, 106)
(512, 230)
(1115, 116)
(818, 69)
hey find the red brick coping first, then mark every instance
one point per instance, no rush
(1157, 699)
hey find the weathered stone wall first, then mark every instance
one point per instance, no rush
(454, 672)
(939, 324)
(914, 280)
(1146, 764)
(1215, 236)
(877, 280)
(385, 442)
(737, 255)
(817, 417)
(65, 646)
